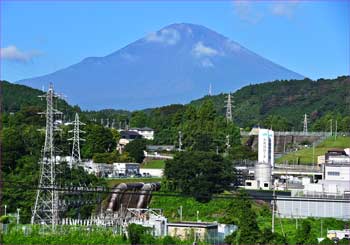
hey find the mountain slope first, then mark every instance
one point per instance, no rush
(289, 99)
(173, 65)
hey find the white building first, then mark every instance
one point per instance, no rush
(147, 133)
(266, 147)
(338, 172)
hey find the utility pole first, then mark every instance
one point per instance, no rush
(45, 209)
(18, 216)
(336, 129)
(181, 213)
(180, 141)
(228, 108)
(331, 127)
(273, 210)
(305, 124)
(75, 157)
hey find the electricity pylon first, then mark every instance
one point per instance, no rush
(75, 157)
(229, 108)
(45, 209)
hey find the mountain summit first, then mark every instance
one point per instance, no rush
(173, 65)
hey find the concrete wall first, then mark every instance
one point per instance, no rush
(313, 207)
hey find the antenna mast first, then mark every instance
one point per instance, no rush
(46, 203)
(229, 108)
(75, 158)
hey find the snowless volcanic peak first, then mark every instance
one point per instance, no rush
(173, 65)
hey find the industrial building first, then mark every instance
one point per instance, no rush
(315, 191)
(146, 133)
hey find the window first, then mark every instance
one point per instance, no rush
(266, 184)
(332, 173)
(249, 183)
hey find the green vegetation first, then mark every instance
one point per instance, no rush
(154, 164)
(306, 156)
(288, 100)
(213, 210)
(135, 149)
(29, 234)
(198, 174)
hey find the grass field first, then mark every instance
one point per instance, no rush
(113, 182)
(216, 209)
(306, 156)
(154, 164)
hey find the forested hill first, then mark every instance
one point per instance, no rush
(281, 104)
(287, 101)
(19, 97)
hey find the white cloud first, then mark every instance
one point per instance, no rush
(286, 9)
(12, 53)
(201, 50)
(246, 12)
(207, 63)
(168, 36)
(235, 47)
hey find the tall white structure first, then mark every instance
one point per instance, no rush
(75, 157)
(180, 141)
(210, 90)
(305, 124)
(45, 209)
(229, 108)
(266, 147)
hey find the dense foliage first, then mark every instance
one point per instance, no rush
(135, 149)
(199, 174)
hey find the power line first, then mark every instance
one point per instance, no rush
(116, 190)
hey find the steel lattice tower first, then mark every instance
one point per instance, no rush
(75, 157)
(305, 124)
(46, 203)
(229, 108)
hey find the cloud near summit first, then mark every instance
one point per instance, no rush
(201, 50)
(168, 36)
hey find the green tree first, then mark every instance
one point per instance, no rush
(135, 149)
(98, 140)
(304, 235)
(199, 174)
(138, 119)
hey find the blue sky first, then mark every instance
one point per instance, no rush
(37, 38)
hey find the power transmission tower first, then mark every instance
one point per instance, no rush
(305, 124)
(45, 209)
(75, 157)
(210, 90)
(180, 141)
(229, 108)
